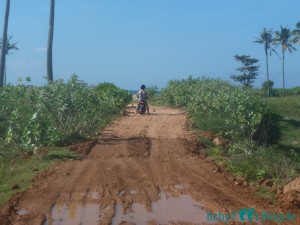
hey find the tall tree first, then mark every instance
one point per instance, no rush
(4, 43)
(249, 71)
(265, 85)
(266, 38)
(284, 37)
(296, 32)
(9, 47)
(50, 41)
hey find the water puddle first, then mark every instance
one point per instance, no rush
(23, 212)
(95, 195)
(122, 193)
(166, 210)
(132, 192)
(73, 214)
(178, 186)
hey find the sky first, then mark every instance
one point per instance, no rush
(134, 42)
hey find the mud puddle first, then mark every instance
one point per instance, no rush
(73, 214)
(166, 210)
(22, 212)
(178, 186)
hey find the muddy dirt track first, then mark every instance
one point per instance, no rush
(144, 170)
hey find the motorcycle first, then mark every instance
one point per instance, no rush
(141, 107)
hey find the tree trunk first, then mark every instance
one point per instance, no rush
(50, 42)
(4, 44)
(4, 75)
(267, 60)
(283, 81)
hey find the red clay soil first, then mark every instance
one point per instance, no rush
(142, 170)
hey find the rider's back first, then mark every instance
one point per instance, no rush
(142, 95)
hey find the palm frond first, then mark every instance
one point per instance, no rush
(273, 50)
(285, 39)
(260, 41)
(9, 46)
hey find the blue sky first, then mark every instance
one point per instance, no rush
(130, 42)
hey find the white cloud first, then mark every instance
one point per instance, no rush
(28, 63)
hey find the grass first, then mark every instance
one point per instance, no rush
(265, 193)
(16, 175)
(289, 108)
(291, 135)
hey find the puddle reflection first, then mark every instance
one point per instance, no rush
(167, 209)
(179, 186)
(73, 214)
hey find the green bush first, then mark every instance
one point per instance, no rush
(235, 112)
(56, 114)
(152, 91)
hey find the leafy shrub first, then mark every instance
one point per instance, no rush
(237, 113)
(152, 91)
(56, 114)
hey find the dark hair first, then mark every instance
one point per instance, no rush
(143, 86)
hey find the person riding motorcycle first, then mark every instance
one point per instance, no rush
(142, 95)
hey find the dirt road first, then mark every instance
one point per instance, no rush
(143, 170)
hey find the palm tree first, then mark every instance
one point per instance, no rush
(4, 43)
(9, 47)
(50, 41)
(266, 38)
(296, 32)
(284, 38)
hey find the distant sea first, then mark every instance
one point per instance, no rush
(133, 92)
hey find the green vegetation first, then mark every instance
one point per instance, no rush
(252, 125)
(154, 95)
(55, 115)
(289, 108)
(233, 112)
(248, 71)
(278, 92)
(16, 174)
(265, 193)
